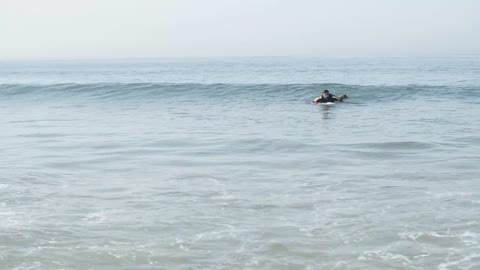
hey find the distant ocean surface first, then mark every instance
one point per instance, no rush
(225, 164)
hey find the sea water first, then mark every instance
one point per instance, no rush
(225, 164)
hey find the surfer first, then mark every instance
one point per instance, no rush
(327, 97)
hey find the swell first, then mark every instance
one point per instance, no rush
(127, 91)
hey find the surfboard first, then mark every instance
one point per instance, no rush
(327, 103)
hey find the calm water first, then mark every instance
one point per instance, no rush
(224, 164)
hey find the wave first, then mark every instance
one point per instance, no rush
(126, 91)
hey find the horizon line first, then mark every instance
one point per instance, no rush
(153, 58)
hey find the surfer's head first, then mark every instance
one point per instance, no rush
(326, 93)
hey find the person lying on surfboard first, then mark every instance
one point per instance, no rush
(327, 97)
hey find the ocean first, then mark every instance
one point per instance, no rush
(225, 164)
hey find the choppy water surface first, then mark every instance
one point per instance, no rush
(225, 171)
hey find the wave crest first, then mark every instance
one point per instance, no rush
(109, 91)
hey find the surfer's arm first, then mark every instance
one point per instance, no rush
(340, 98)
(316, 100)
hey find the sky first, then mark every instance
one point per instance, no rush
(86, 29)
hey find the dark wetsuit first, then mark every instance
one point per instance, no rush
(325, 100)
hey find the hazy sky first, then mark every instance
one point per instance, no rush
(65, 29)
